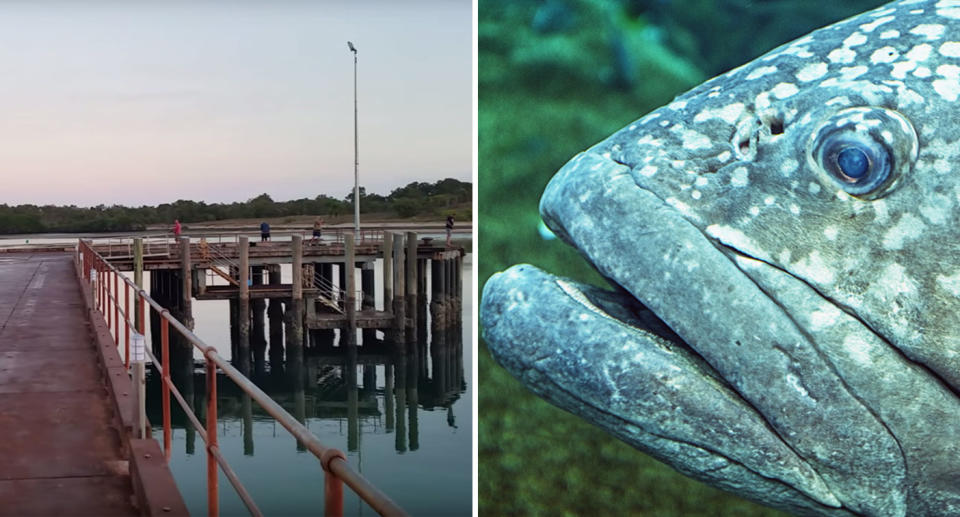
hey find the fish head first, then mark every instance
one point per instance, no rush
(781, 239)
(829, 159)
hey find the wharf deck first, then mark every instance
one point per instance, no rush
(167, 255)
(64, 449)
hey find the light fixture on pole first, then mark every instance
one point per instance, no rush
(356, 150)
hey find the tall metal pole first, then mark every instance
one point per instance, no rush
(356, 151)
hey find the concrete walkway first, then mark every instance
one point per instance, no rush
(61, 451)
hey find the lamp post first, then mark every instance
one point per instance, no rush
(356, 151)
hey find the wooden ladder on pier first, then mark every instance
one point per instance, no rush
(224, 276)
(330, 303)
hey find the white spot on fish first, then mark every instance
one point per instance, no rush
(855, 39)
(724, 156)
(884, 55)
(880, 213)
(949, 86)
(784, 90)
(677, 105)
(696, 194)
(760, 72)
(830, 232)
(729, 113)
(857, 348)
(813, 188)
(794, 209)
(930, 30)
(919, 53)
(740, 177)
(754, 211)
(814, 268)
(812, 72)
(789, 165)
(922, 72)
(825, 316)
(763, 101)
(950, 283)
(648, 170)
(734, 238)
(890, 34)
(852, 72)
(842, 55)
(894, 281)
(950, 49)
(908, 227)
(869, 27)
(937, 209)
(900, 69)
(769, 200)
(693, 140)
(701, 182)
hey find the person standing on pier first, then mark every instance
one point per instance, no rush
(449, 228)
(264, 231)
(176, 229)
(317, 229)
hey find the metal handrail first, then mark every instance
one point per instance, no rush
(334, 462)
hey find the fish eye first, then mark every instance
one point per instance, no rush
(864, 151)
(853, 163)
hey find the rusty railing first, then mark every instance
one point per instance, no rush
(106, 279)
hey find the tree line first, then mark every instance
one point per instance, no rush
(415, 199)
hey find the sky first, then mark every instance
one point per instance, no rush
(142, 103)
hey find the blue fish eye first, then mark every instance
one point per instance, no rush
(863, 150)
(853, 163)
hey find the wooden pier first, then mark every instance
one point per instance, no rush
(65, 408)
(332, 285)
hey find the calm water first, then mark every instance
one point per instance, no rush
(411, 437)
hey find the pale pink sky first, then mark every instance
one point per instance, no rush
(144, 103)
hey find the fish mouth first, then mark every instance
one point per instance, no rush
(688, 314)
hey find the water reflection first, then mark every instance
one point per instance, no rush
(375, 388)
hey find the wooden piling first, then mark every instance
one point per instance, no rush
(411, 284)
(297, 242)
(243, 305)
(387, 249)
(137, 278)
(399, 288)
(186, 286)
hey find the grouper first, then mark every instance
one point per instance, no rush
(781, 244)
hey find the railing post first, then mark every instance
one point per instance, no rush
(127, 323)
(139, 385)
(116, 308)
(106, 297)
(138, 278)
(213, 496)
(332, 495)
(165, 384)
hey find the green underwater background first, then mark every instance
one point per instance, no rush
(555, 77)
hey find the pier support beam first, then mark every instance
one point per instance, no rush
(137, 279)
(186, 286)
(411, 284)
(399, 289)
(294, 314)
(243, 306)
(387, 250)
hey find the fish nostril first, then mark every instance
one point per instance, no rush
(776, 126)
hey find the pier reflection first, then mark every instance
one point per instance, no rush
(375, 386)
